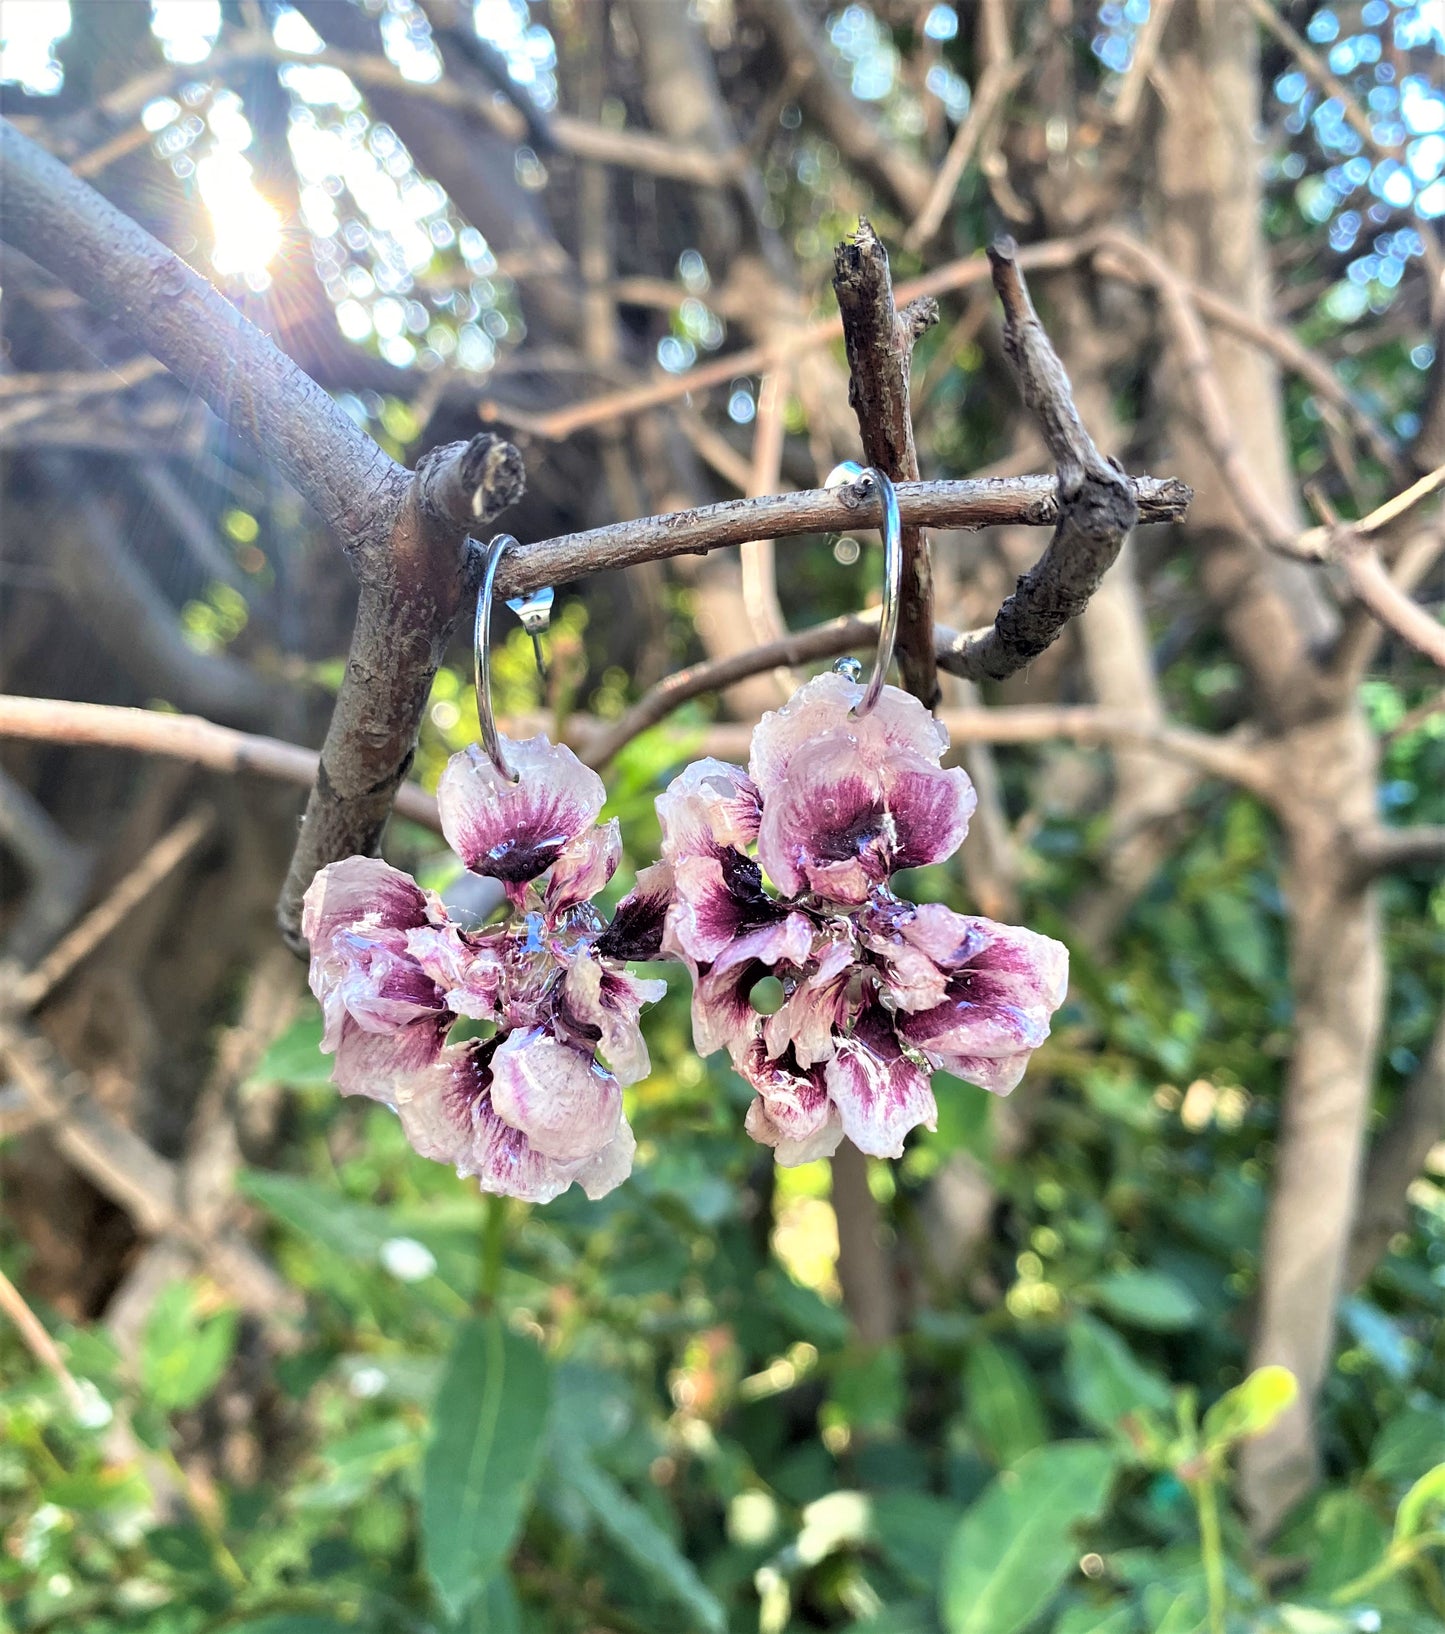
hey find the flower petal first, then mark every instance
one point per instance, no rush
(930, 808)
(611, 1166)
(840, 825)
(598, 1008)
(880, 1092)
(817, 1008)
(381, 1066)
(998, 1074)
(825, 828)
(722, 1012)
(637, 926)
(707, 808)
(364, 891)
(1004, 983)
(716, 899)
(897, 724)
(561, 1100)
(792, 1112)
(584, 867)
(449, 1117)
(515, 831)
(468, 969)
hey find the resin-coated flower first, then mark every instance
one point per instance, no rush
(539, 1105)
(872, 993)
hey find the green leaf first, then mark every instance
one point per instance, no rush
(184, 1353)
(495, 1610)
(287, 1622)
(1349, 1537)
(1251, 1407)
(1409, 1444)
(867, 1387)
(1114, 1619)
(295, 1058)
(1105, 1378)
(1148, 1299)
(1418, 1506)
(1013, 1548)
(912, 1531)
(487, 1433)
(1001, 1406)
(639, 1537)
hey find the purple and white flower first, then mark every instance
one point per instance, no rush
(876, 992)
(539, 1105)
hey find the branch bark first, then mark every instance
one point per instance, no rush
(879, 342)
(988, 502)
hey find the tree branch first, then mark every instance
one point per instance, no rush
(181, 737)
(986, 503)
(879, 342)
(1097, 503)
(1397, 1159)
(1386, 849)
(405, 535)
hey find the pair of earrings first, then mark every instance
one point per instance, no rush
(834, 998)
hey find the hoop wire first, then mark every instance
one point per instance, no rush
(892, 530)
(482, 656)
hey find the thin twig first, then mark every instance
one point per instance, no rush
(1146, 51)
(1316, 543)
(1386, 849)
(131, 1172)
(632, 400)
(1370, 580)
(40, 1345)
(181, 737)
(67, 383)
(628, 149)
(994, 84)
(759, 557)
(166, 854)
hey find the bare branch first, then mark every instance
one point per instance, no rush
(1397, 1159)
(1371, 581)
(632, 400)
(822, 641)
(992, 502)
(181, 737)
(1146, 52)
(850, 124)
(132, 1173)
(1386, 849)
(161, 859)
(1097, 504)
(405, 536)
(39, 1343)
(1000, 75)
(58, 384)
(880, 343)
(175, 314)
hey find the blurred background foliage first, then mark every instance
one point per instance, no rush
(654, 1413)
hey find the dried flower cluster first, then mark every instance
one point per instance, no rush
(871, 993)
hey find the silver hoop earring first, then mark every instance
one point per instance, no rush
(535, 613)
(850, 472)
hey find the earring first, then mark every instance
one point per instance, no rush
(835, 998)
(538, 1104)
